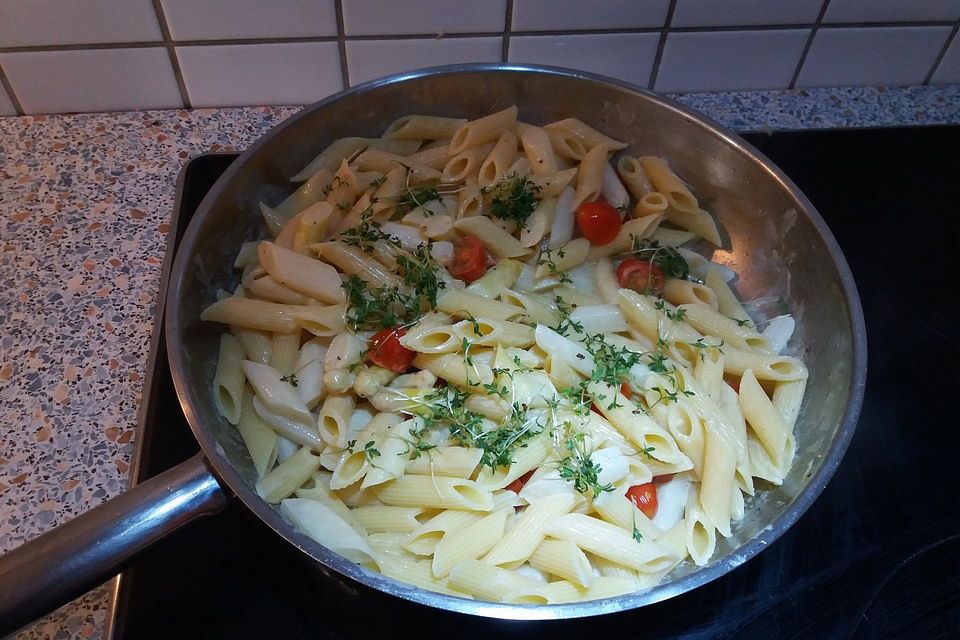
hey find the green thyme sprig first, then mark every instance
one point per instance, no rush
(514, 198)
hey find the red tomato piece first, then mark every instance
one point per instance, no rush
(667, 477)
(736, 386)
(644, 496)
(641, 276)
(387, 352)
(518, 484)
(625, 390)
(469, 259)
(598, 221)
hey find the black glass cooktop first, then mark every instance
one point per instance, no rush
(878, 554)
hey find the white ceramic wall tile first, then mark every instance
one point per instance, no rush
(891, 10)
(736, 60)
(369, 59)
(260, 74)
(710, 13)
(556, 15)
(214, 19)
(49, 22)
(6, 107)
(891, 56)
(377, 18)
(948, 71)
(92, 80)
(627, 56)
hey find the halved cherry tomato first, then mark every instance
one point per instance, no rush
(625, 390)
(469, 259)
(517, 484)
(644, 496)
(598, 221)
(386, 350)
(641, 276)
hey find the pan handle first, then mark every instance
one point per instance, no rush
(54, 568)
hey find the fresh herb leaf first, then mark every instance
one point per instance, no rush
(667, 258)
(350, 445)
(580, 469)
(292, 379)
(370, 451)
(677, 316)
(742, 322)
(421, 272)
(367, 233)
(412, 197)
(335, 183)
(514, 198)
(637, 536)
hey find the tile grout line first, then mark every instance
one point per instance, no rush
(808, 45)
(170, 42)
(342, 45)
(5, 83)
(661, 45)
(507, 32)
(172, 53)
(943, 52)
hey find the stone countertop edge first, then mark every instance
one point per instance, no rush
(85, 201)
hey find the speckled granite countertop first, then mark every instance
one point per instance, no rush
(84, 208)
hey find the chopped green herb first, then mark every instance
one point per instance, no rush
(421, 272)
(580, 469)
(637, 536)
(292, 379)
(514, 198)
(677, 316)
(335, 183)
(412, 197)
(667, 258)
(370, 451)
(367, 233)
(742, 322)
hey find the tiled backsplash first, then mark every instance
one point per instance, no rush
(106, 55)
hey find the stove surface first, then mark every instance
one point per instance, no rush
(876, 556)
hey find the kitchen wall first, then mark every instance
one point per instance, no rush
(106, 55)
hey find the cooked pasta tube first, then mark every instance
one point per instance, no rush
(536, 145)
(484, 332)
(688, 292)
(634, 177)
(482, 130)
(588, 135)
(228, 379)
(439, 492)
(463, 304)
(502, 276)
(470, 542)
(260, 439)
(312, 278)
(421, 127)
(552, 184)
(284, 479)
(523, 539)
(495, 165)
(610, 542)
(496, 240)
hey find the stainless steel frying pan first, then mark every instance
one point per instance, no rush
(776, 241)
